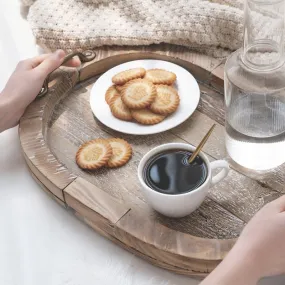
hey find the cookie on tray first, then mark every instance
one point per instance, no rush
(166, 101)
(122, 152)
(94, 154)
(138, 93)
(127, 75)
(120, 110)
(160, 76)
(110, 94)
(147, 117)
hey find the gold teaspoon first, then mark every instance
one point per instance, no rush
(201, 144)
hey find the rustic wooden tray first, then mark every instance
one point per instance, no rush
(110, 201)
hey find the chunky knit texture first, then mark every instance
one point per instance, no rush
(209, 26)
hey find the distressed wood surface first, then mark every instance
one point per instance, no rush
(33, 170)
(64, 140)
(95, 199)
(55, 126)
(199, 65)
(157, 262)
(51, 172)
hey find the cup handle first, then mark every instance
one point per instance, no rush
(223, 173)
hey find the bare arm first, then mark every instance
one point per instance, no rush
(259, 252)
(236, 269)
(3, 113)
(24, 85)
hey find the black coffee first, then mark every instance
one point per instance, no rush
(170, 172)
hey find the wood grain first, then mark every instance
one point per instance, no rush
(33, 172)
(62, 80)
(55, 175)
(210, 220)
(217, 80)
(212, 103)
(112, 218)
(95, 199)
(55, 126)
(157, 262)
(198, 64)
(173, 247)
(33, 129)
(64, 140)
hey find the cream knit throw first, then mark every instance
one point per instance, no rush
(209, 26)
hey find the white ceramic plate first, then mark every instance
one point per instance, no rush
(186, 85)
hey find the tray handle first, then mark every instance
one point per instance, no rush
(84, 56)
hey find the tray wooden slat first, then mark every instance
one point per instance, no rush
(95, 199)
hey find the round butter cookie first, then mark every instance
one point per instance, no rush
(138, 93)
(127, 75)
(119, 88)
(110, 94)
(166, 101)
(119, 109)
(94, 154)
(160, 76)
(146, 117)
(122, 152)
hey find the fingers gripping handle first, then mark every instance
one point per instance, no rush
(223, 173)
(85, 56)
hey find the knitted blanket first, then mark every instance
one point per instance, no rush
(209, 26)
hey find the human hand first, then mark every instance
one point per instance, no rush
(263, 239)
(259, 252)
(25, 84)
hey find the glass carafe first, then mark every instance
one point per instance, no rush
(255, 89)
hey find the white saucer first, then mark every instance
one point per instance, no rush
(186, 85)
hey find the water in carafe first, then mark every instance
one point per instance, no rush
(255, 89)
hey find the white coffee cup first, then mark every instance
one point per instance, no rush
(180, 205)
